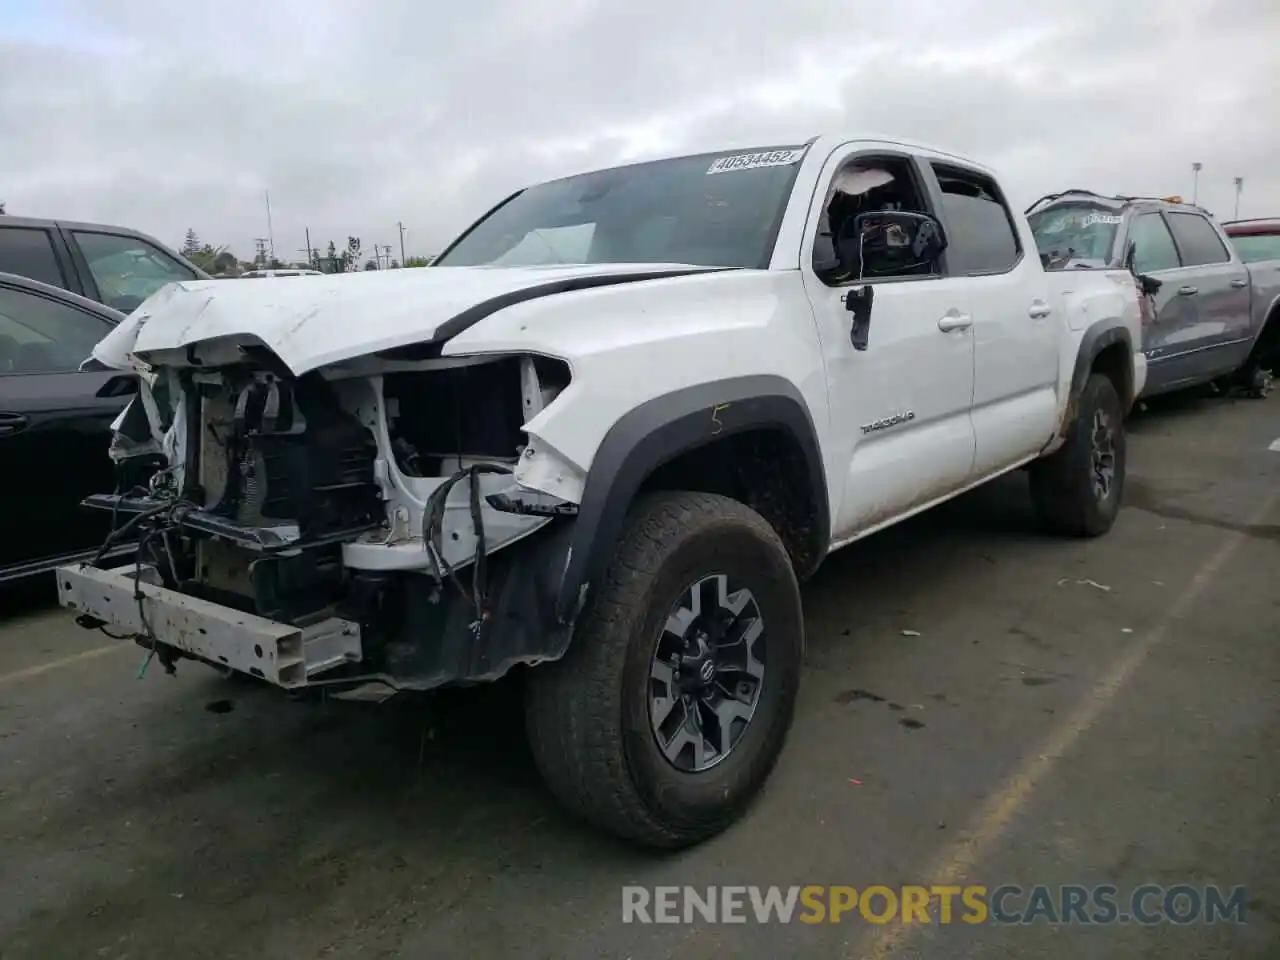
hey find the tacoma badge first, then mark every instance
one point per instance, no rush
(904, 417)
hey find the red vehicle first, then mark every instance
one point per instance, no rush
(1257, 243)
(1255, 240)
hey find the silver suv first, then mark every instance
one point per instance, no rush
(1209, 317)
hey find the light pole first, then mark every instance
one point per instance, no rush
(401, 226)
(1195, 180)
(1239, 189)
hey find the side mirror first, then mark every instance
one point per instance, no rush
(118, 386)
(1149, 285)
(912, 237)
(887, 243)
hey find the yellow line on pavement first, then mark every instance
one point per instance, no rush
(29, 672)
(953, 866)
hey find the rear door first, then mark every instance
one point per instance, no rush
(54, 427)
(36, 252)
(1221, 337)
(1015, 331)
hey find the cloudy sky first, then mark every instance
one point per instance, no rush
(356, 115)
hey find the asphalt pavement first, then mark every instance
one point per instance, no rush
(981, 705)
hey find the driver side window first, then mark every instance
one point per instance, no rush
(871, 250)
(41, 335)
(1153, 245)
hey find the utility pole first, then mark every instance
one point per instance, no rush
(398, 224)
(1239, 190)
(310, 262)
(1195, 180)
(271, 237)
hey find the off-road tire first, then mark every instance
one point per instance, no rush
(587, 714)
(1062, 486)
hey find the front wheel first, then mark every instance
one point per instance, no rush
(1077, 490)
(671, 707)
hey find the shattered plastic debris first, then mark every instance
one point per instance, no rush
(1126, 630)
(856, 782)
(911, 633)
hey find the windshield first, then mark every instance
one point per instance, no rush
(1253, 247)
(715, 210)
(1075, 229)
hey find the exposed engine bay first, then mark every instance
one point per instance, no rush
(358, 504)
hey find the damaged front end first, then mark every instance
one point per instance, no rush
(379, 521)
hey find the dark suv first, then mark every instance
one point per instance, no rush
(112, 265)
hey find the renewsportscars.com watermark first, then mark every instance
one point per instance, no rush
(1006, 904)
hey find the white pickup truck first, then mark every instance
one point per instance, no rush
(601, 441)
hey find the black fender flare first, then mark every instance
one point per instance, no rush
(1098, 337)
(1268, 335)
(660, 430)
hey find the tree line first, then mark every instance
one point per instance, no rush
(349, 259)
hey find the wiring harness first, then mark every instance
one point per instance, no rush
(433, 533)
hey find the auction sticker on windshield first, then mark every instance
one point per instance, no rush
(751, 161)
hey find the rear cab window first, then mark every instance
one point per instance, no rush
(127, 269)
(28, 252)
(1198, 242)
(1074, 230)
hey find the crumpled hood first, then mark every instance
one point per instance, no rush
(312, 321)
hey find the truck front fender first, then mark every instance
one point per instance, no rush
(1097, 338)
(658, 431)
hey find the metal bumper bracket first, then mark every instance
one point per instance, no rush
(279, 653)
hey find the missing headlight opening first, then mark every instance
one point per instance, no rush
(442, 421)
(349, 503)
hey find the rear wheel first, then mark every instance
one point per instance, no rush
(1258, 383)
(1077, 490)
(671, 707)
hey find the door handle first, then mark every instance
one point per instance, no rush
(11, 423)
(1039, 309)
(1187, 291)
(1239, 283)
(955, 321)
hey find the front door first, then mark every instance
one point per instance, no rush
(54, 428)
(899, 407)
